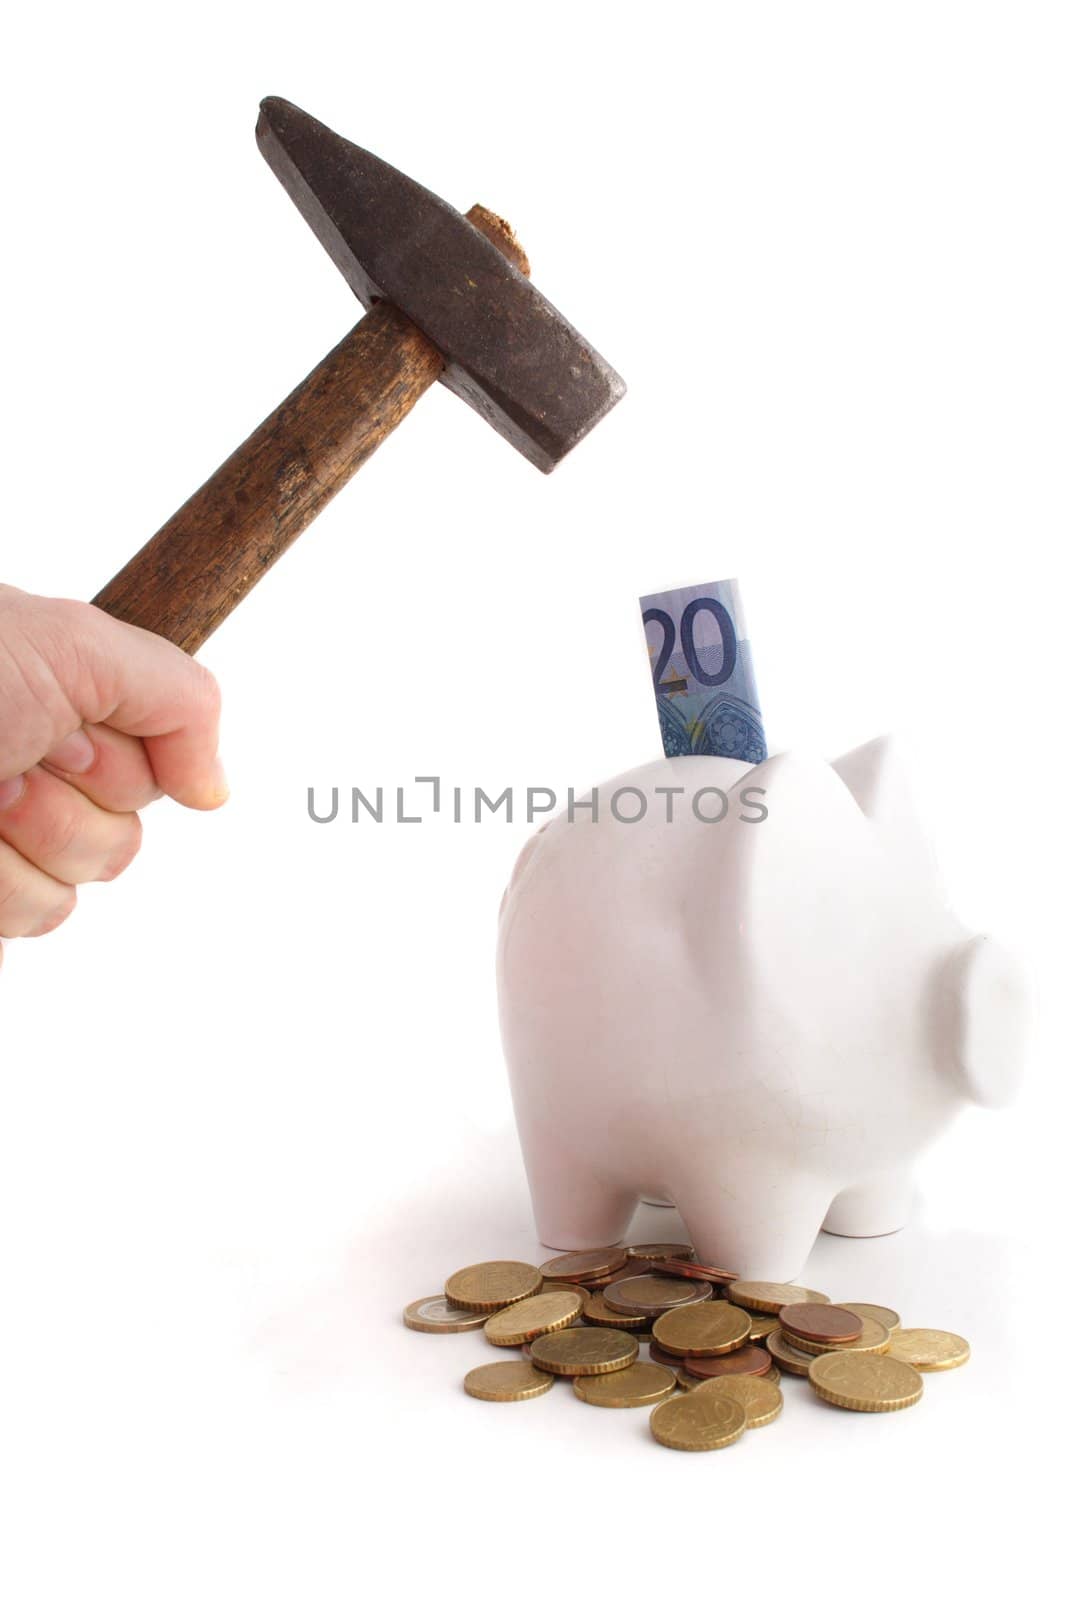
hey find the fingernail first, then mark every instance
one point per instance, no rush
(75, 753)
(11, 791)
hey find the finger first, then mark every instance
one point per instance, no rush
(31, 902)
(111, 768)
(108, 671)
(64, 834)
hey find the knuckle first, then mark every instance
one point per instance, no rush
(56, 915)
(56, 831)
(26, 914)
(9, 891)
(124, 852)
(207, 691)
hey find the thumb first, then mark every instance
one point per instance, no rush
(107, 671)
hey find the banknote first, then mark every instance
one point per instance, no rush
(701, 661)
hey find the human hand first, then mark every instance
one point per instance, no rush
(97, 719)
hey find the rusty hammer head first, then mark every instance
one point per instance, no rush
(508, 352)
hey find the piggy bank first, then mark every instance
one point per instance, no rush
(738, 989)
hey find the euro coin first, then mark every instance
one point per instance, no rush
(889, 1319)
(750, 1358)
(762, 1324)
(433, 1314)
(648, 1295)
(692, 1269)
(786, 1357)
(873, 1340)
(581, 1264)
(492, 1284)
(632, 1269)
(507, 1380)
(666, 1358)
(827, 1325)
(687, 1380)
(640, 1384)
(761, 1399)
(604, 1316)
(537, 1314)
(578, 1352)
(662, 1252)
(771, 1297)
(929, 1349)
(710, 1329)
(699, 1420)
(864, 1382)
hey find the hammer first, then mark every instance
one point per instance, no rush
(448, 297)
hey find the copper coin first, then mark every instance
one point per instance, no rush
(751, 1361)
(666, 1358)
(827, 1324)
(579, 1266)
(693, 1269)
(686, 1380)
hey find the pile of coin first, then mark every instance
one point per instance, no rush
(720, 1341)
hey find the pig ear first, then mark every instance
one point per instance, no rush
(876, 776)
(804, 870)
(984, 1016)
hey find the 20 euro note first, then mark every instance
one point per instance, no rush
(702, 673)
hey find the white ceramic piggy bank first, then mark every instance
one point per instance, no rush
(762, 1018)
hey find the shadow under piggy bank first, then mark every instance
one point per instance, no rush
(762, 1011)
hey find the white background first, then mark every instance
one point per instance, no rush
(251, 1097)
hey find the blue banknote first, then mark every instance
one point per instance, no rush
(702, 673)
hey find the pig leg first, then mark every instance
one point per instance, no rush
(574, 1207)
(879, 1205)
(759, 1225)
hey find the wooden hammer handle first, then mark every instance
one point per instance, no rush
(200, 565)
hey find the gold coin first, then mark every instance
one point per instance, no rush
(865, 1383)
(640, 1384)
(785, 1357)
(890, 1320)
(773, 1376)
(507, 1380)
(576, 1352)
(873, 1339)
(771, 1297)
(762, 1324)
(538, 1313)
(929, 1349)
(581, 1264)
(662, 1252)
(699, 1420)
(433, 1314)
(492, 1284)
(761, 1399)
(605, 1316)
(709, 1329)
